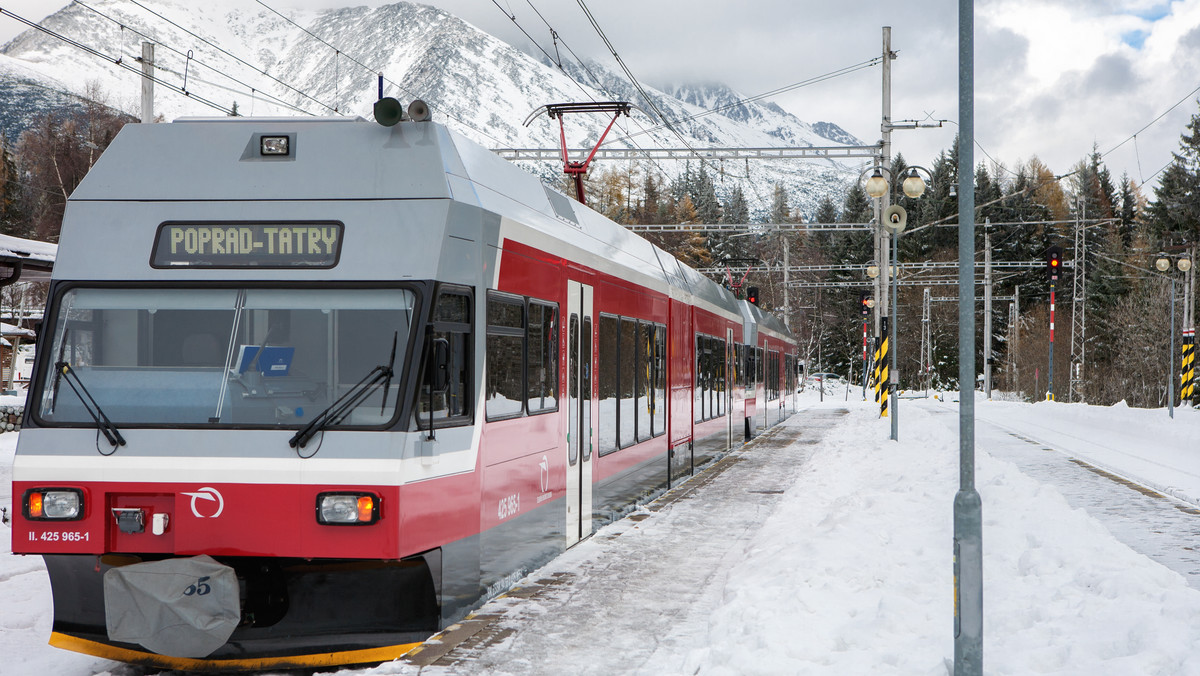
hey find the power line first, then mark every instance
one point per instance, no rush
(780, 90)
(339, 52)
(638, 85)
(116, 61)
(232, 56)
(1164, 114)
(554, 33)
(252, 89)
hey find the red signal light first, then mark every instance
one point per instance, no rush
(1053, 261)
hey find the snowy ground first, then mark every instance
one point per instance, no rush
(832, 555)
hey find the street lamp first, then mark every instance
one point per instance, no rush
(1184, 264)
(914, 185)
(893, 220)
(877, 185)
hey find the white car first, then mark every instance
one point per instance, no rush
(825, 379)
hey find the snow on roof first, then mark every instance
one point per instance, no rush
(10, 330)
(29, 251)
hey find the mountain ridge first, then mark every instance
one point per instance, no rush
(472, 81)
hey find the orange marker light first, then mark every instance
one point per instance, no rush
(366, 508)
(35, 505)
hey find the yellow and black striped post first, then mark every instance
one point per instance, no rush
(1187, 372)
(881, 369)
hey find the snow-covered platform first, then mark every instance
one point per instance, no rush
(825, 548)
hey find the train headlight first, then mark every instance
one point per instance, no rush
(347, 509)
(53, 504)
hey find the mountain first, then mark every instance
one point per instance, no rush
(326, 63)
(24, 93)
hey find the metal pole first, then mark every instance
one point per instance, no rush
(881, 205)
(1050, 367)
(987, 310)
(147, 82)
(1171, 367)
(894, 374)
(1015, 348)
(968, 508)
(787, 303)
(864, 356)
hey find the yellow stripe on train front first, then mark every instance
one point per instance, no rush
(368, 655)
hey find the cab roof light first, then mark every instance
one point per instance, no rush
(275, 146)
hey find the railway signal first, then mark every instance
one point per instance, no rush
(1053, 267)
(752, 294)
(1053, 261)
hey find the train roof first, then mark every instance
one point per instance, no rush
(353, 159)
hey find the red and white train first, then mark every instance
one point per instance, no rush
(308, 390)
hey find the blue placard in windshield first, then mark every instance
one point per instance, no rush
(248, 245)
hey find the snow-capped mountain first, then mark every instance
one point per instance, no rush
(24, 93)
(327, 63)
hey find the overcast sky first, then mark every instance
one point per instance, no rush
(1052, 77)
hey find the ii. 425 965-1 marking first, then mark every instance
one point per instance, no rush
(59, 536)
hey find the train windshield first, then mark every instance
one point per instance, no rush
(229, 356)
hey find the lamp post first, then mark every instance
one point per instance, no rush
(1184, 264)
(893, 220)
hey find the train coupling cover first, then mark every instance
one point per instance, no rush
(184, 607)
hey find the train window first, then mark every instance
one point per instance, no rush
(609, 393)
(627, 382)
(719, 361)
(700, 377)
(505, 355)
(645, 372)
(452, 324)
(772, 375)
(659, 415)
(192, 356)
(542, 357)
(709, 396)
(573, 403)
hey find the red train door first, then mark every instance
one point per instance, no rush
(729, 384)
(579, 412)
(681, 341)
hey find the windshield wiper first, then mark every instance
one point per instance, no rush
(105, 425)
(338, 410)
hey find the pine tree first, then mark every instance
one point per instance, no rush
(704, 196)
(1127, 214)
(736, 210)
(827, 211)
(780, 212)
(13, 219)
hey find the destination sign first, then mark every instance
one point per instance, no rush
(248, 245)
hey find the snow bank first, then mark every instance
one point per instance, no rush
(854, 573)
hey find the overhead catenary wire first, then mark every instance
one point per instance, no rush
(116, 61)
(646, 97)
(373, 71)
(234, 57)
(513, 17)
(250, 88)
(1151, 123)
(779, 90)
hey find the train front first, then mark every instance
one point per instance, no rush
(227, 460)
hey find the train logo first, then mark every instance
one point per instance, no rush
(211, 495)
(544, 465)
